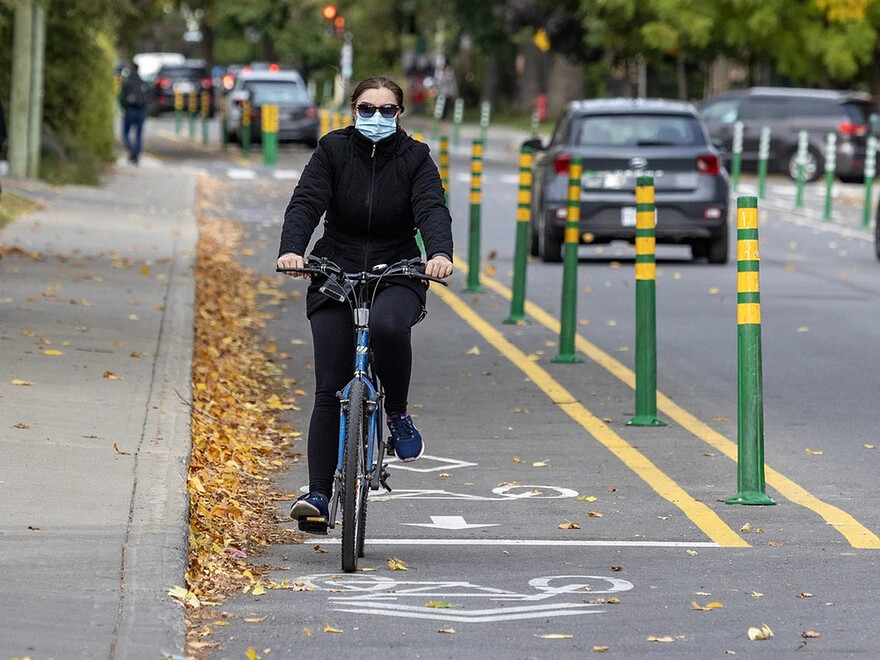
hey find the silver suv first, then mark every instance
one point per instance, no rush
(787, 111)
(619, 140)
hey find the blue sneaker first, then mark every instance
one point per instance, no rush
(311, 511)
(405, 438)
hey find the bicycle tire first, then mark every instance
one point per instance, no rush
(353, 486)
(365, 491)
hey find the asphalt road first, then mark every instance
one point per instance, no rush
(518, 447)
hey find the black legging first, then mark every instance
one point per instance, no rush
(395, 310)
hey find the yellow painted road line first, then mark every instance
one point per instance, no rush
(855, 533)
(701, 515)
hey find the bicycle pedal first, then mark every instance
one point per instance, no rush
(313, 525)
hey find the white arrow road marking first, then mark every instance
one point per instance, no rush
(449, 522)
(474, 616)
(285, 174)
(241, 173)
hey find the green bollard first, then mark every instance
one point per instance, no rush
(520, 258)
(206, 113)
(870, 173)
(568, 317)
(750, 388)
(269, 134)
(439, 109)
(444, 166)
(192, 108)
(830, 165)
(457, 116)
(803, 137)
(763, 157)
(736, 164)
(246, 128)
(646, 307)
(473, 277)
(178, 112)
(485, 113)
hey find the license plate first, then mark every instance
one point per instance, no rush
(184, 87)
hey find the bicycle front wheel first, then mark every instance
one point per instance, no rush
(354, 495)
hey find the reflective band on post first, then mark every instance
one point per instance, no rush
(747, 281)
(747, 250)
(748, 313)
(646, 271)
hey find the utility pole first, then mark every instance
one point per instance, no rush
(26, 102)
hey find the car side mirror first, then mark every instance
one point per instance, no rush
(534, 144)
(718, 143)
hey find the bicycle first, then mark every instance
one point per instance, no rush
(360, 467)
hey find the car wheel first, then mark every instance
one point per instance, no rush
(549, 241)
(877, 235)
(533, 234)
(718, 247)
(812, 167)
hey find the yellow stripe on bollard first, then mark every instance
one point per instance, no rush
(747, 250)
(748, 313)
(747, 281)
(645, 244)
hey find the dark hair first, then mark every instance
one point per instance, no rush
(377, 82)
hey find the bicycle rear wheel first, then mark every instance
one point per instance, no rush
(354, 495)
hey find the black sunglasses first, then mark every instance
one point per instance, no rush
(367, 110)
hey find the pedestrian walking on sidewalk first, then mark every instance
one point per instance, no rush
(377, 186)
(133, 99)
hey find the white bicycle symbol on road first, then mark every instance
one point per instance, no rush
(376, 594)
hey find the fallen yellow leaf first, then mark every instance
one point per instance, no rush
(448, 631)
(869, 446)
(810, 634)
(601, 649)
(815, 453)
(665, 639)
(185, 596)
(118, 450)
(52, 351)
(555, 636)
(763, 632)
(395, 564)
(252, 619)
(544, 463)
(474, 351)
(259, 589)
(22, 383)
(594, 514)
(569, 525)
(111, 376)
(330, 629)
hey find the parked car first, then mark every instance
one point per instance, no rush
(150, 63)
(619, 140)
(787, 111)
(297, 111)
(190, 76)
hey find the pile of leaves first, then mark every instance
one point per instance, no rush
(238, 434)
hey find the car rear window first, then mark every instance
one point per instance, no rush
(277, 91)
(183, 72)
(637, 130)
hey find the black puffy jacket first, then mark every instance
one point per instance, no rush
(375, 196)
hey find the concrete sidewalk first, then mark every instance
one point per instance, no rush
(96, 302)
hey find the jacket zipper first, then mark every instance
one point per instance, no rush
(370, 208)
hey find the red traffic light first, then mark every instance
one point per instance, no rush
(329, 12)
(339, 22)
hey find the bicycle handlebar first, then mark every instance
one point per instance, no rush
(412, 268)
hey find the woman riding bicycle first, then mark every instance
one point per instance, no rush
(377, 186)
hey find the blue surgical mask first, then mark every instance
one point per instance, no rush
(376, 127)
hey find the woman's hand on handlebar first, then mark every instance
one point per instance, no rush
(438, 266)
(291, 260)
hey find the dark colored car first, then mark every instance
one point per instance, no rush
(297, 112)
(619, 140)
(787, 111)
(185, 78)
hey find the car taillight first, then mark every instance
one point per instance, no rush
(708, 164)
(206, 83)
(228, 81)
(560, 163)
(311, 113)
(163, 82)
(849, 128)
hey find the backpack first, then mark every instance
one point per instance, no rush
(136, 93)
